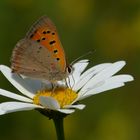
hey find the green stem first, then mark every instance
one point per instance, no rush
(59, 128)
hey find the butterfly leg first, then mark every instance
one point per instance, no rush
(67, 83)
(54, 86)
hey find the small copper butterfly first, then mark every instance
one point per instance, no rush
(40, 54)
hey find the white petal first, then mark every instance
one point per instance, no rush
(17, 81)
(79, 67)
(96, 69)
(49, 102)
(79, 106)
(34, 84)
(14, 96)
(108, 84)
(121, 78)
(9, 107)
(101, 89)
(104, 74)
(87, 75)
(66, 111)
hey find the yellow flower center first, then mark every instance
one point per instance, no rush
(64, 96)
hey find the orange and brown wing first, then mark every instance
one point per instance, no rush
(33, 60)
(44, 32)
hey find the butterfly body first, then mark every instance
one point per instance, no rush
(40, 54)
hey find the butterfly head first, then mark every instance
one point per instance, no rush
(69, 69)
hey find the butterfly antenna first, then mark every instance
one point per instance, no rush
(86, 54)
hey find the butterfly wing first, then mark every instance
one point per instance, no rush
(44, 32)
(28, 59)
(40, 55)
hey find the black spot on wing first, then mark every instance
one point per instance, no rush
(55, 51)
(57, 59)
(44, 32)
(31, 35)
(38, 40)
(43, 38)
(48, 32)
(52, 42)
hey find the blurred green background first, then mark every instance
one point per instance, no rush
(110, 27)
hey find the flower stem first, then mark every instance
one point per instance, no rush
(58, 122)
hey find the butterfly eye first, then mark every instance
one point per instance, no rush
(69, 69)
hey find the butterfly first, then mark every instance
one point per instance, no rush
(40, 55)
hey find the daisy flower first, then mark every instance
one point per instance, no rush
(81, 84)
